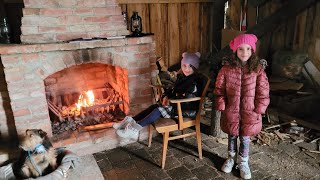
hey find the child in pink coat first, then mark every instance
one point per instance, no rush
(242, 95)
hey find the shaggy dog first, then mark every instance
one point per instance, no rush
(38, 157)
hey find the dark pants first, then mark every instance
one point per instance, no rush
(148, 115)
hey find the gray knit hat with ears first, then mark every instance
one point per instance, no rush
(191, 58)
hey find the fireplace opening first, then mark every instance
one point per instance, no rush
(87, 96)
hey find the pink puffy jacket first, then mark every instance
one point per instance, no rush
(242, 97)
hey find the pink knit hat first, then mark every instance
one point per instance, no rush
(249, 39)
(190, 58)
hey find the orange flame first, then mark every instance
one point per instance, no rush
(85, 102)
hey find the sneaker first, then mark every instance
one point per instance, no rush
(244, 168)
(122, 124)
(229, 163)
(6, 172)
(130, 131)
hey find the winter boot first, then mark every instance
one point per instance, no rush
(123, 123)
(244, 168)
(229, 163)
(130, 131)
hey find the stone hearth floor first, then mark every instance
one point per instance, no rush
(137, 161)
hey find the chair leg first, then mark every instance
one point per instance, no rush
(198, 133)
(184, 132)
(164, 148)
(150, 135)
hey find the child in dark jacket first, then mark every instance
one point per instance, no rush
(242, 95)
(188, 84)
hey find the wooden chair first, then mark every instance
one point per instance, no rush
(166, 125)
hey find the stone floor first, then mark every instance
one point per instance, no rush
(136, 161)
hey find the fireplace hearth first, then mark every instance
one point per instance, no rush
(82, 96)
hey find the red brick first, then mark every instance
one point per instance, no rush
(37, 38)
(139, 71)
(144, 48)
(13, 76)
(112, 2)
(32, 3)
(91, 19)
(94, 3)
(140, 100)
(29, 29)
(147, 39)
(81, 136)
(30, 57)
(67, 36)
(112, 25)
(145, 92)
(69, 46)
(21, 112)
(152, 59)
(68, 141)
(132, 49)
(55, 11)
(50, 47)
(67, 3)
(26, 102)
(30, 11)
(141, 56)
(96, 136)
(38, 118)
(133, 41)
(71, 20)
(50, 3)
(118, 42)
(30, 20)
(84, 11)
(10, 59)
(56, 143)
(53, 29)
(104, 10)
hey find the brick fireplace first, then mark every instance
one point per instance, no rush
(58, 35)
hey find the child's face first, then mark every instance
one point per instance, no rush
(244, 52)
(186, 69)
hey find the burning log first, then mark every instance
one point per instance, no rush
(98, 126)
(90, 110)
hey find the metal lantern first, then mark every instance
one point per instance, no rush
(136, 24)
(4, 31)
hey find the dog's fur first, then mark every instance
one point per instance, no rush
(46, 160)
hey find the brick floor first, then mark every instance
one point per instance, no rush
(137, 161)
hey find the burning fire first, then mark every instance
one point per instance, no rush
(85, 101)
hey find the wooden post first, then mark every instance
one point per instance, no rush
(215, 124)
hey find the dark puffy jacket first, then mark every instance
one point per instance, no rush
(187, 87)
(242, 97)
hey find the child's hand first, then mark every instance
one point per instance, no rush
(165, 101)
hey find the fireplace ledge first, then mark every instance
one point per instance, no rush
(75, 45)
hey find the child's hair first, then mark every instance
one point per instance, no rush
(253, 62)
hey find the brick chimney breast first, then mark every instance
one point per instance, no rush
(47, 21)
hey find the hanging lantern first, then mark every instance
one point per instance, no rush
(136, 24)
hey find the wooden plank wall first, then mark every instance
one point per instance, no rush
(178, 27)
(300, 33)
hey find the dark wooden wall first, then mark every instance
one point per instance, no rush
(178, 27)
(300, 33)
